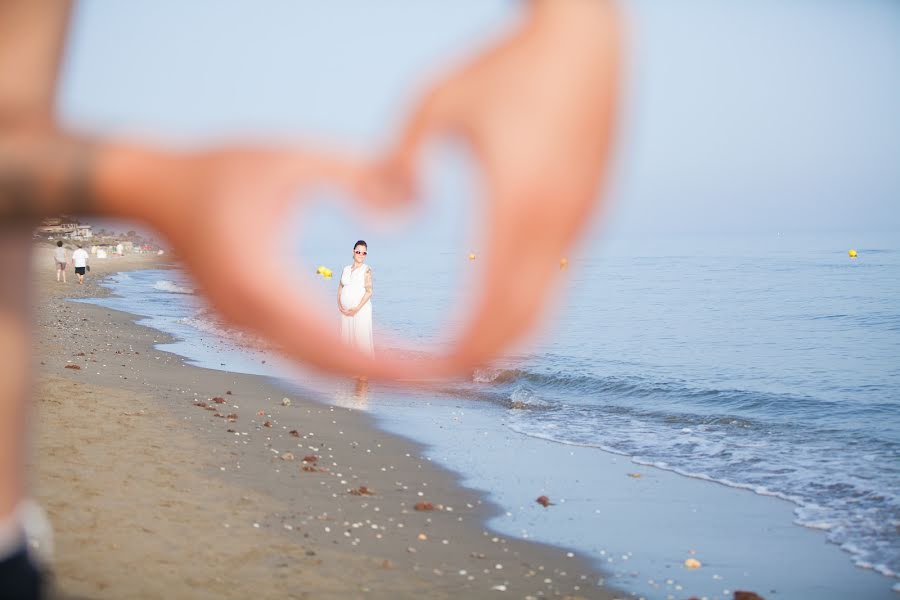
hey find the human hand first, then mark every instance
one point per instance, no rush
(537, 111)
(237, 200)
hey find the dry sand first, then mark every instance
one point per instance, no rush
(154, 496)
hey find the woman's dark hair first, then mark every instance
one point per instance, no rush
(361, 243)
(59, 243)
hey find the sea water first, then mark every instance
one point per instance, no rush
(770, 363)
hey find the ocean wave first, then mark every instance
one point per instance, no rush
(165, 285)
(525, 398)
(790, 446)
(723, 401)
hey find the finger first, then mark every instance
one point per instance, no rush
(394, 178)
(521, 266)
(509, 309)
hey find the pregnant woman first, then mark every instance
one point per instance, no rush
(354, 301)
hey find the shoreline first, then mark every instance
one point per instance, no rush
(664, 517)
(220, 494)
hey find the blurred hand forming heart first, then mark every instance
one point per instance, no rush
(537, 110)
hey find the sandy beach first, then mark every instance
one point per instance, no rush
(164, 480)
(237, 478)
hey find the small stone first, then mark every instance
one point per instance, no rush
(544, 501)
(287, 456)
(285, 401)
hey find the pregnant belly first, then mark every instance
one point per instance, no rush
(350, 296)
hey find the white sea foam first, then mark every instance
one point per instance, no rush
(486, 375)
(169, 286)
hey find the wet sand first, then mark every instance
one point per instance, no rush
(156, 490)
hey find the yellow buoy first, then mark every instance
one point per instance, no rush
(851, 253)
(472, 256)
(563, 263)
(692, 563)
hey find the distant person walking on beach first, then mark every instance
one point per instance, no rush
(354, 301)
(59, 257)
(80, 258)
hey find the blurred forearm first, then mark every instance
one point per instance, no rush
(32, 34)
(31, 40)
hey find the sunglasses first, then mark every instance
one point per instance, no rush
(361, 252)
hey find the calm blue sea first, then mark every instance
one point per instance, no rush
(770, 363)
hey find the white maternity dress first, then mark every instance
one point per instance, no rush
(356, 330)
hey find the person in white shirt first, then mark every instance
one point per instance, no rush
(80, 258)
(59, 257)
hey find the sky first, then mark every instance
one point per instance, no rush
(748, 115)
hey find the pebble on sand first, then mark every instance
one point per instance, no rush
(544, 501)
(424, 506)
(294, 433)
(287, 456)
(76, 367)
(285, 401)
